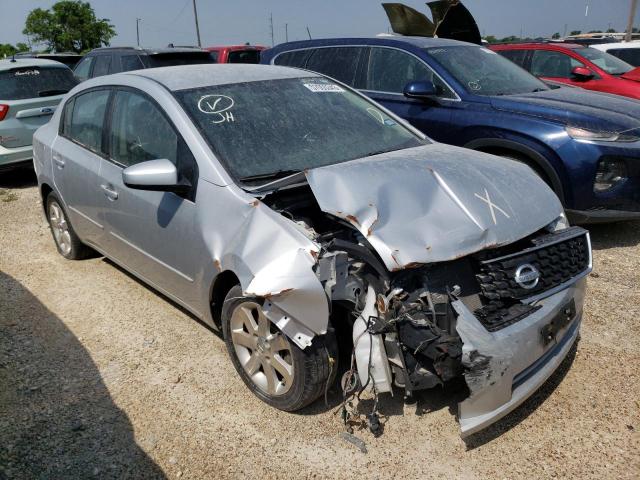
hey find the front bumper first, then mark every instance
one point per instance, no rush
(506, 367)
(10, 157)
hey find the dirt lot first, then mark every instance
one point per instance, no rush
(101, 377)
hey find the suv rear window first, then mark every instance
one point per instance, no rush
(244, 56)
(33, 82)
(179, 58)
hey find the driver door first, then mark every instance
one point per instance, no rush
(152, 233)
(389, 70)
(552, 65)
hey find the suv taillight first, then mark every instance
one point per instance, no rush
(4, 109)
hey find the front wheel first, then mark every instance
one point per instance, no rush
(275, 369)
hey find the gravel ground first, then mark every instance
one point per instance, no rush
(101, 377)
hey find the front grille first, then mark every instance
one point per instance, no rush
(558, 258)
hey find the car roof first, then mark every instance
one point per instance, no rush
(384, 39)
(236, 47)
(197, 76)
(618, 45)
(147, 50)
(550, 45)
(9, 64)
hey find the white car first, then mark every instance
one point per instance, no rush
(627, 51)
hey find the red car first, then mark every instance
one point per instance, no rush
(576, 65)
(236, 53)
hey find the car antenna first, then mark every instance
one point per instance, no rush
(13, 58)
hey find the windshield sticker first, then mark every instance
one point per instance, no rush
(27, 72)
(324, 87)
(219, 106)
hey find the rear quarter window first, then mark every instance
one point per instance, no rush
(296, 59)
(33, 82)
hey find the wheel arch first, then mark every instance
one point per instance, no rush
(533, 158)
(221, 285)
(45, 190)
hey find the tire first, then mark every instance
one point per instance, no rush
(64, 236)
(275, 369)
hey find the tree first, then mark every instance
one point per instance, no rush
(491, 39)
(611, 30)
(6, 50)
(70, 25)
(556, 35)
(22, 47)
(575, 32)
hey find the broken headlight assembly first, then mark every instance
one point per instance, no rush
(611, 172)
(599, 136)
(560, 223)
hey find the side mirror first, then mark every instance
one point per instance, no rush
(152, 175)
(582, 73)
(421, 90)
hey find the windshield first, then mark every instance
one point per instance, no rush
(279, 127)
(484, 72)
(32, 82)
(610, 64)
(179, 58)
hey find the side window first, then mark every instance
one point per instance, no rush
(67, 114)
(88, 118)
(83, 69)
(131, 62)
(214, 56)
(518, 57)
(629, 55)
(547, 63)
(296, 59)
(140, 132)
(390, 70)
(340, 63)
(103, 62)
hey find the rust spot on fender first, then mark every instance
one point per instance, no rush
(352, 219)
(269, 295)
(314, 254)
(255, 203)
(217, 264)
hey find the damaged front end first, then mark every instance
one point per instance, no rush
(488, 298)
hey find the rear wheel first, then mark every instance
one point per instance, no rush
(67, 242)
(274, 368)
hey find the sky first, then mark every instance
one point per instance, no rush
(240, 21)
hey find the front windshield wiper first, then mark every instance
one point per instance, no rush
(49, 93)
(269, 175)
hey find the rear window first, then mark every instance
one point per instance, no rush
(629, 55)
(33, 82)
(179, 58)
(244, 56)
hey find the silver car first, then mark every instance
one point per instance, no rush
(30, 90)
(320, 233)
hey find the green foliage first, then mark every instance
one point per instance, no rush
(491, 39)
(70, 25)
(575, 32)
(6, 50)
(556, 35)
(22, 47)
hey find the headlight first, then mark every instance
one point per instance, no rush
(611, 171)
(583, 134)
(558, 224)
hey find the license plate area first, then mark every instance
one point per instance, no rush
(563, 318)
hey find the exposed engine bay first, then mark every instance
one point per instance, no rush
(404, 323)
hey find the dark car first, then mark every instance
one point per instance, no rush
(105, 61)
(576, 65)
(585, 145)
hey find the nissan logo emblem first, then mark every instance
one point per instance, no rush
(527, 276)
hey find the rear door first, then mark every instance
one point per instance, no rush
(389, 70)
(29, 96)
(102, 65)
(76, 156)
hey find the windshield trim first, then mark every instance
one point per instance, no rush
(237, 180)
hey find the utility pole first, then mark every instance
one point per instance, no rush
(286, 32)
(308, 32)
(138, 30)
(195, 14)
(632, 16)
(271, 24)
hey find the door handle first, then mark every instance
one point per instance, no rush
(58, 161)
(110, 193)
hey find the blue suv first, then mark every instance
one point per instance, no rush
(585, 145)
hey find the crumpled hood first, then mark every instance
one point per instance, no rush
(575, 107)
(436, 202)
